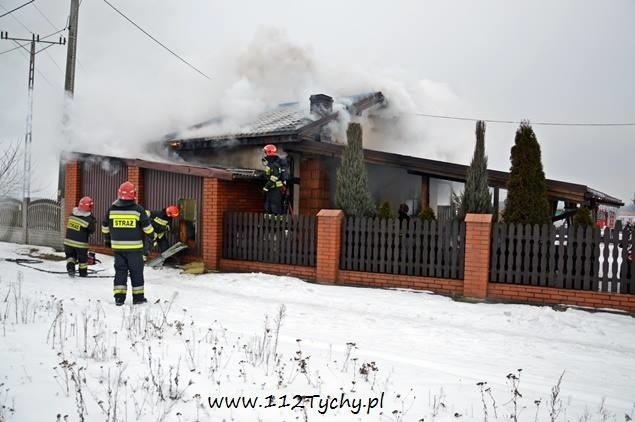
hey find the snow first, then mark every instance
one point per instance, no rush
(207, 331)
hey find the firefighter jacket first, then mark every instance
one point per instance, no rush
(275, 172)
(160, 222)
(79, 226)
(125, 225)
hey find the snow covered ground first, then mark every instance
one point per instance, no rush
(67, 353)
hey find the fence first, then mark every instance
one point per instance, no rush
(417, 248)
(44, 222)
(279, 239)
(569, 258)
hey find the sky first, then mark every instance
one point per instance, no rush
(565, 61)
(420, 351)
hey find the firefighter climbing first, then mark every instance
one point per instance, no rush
(161, 221)
(277, 174)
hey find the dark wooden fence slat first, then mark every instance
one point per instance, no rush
(495, 258)
(433, 249)
(588, 256)
(534, 262)
(545, 247)
(576, 269)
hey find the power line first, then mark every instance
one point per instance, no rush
(44, 16)
(25, 27)
(437, 116)
(157, 41)
(24, 45)
(13, 10)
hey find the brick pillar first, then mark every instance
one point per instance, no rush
(478, 237)
(72, 186)
(329, 237)
(212, 215)
(135, 176)
(314, 187)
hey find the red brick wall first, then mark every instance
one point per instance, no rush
(220, 196)
(231, 265)
(329, 234)
(478, 232)
(314, 187)
(72, 186)
(135, 175)
(551, 296)
(437, 285)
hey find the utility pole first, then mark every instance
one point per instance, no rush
(26, 186)
(69, 87)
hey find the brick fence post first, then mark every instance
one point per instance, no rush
(211, 214)
(478, 238)
(329, 234)
(72, 187)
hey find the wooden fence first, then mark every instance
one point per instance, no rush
(568, 258)
(279, 239)
(427, 249)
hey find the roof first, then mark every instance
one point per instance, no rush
(174, 167)
(289, 122)
(556, 189)
(300, 131)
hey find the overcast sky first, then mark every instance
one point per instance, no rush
(564, 61)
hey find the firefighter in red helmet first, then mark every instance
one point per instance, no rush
(161, 221)
(79, 226)
(124, 228)
(276, 173)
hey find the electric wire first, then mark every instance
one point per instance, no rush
(156, 41)
(13, 10)
(25, 27)
(471, 119)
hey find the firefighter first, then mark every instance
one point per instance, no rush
(79, 227)
(161, 221)
(276, 174)
(123, 229)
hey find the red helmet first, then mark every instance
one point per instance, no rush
(86, 204)
(270, 150)
(127, 191)
(172, 211)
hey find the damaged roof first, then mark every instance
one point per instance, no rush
(289, 122)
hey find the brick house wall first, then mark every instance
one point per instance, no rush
(314, 186)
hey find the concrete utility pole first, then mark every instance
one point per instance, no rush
(69, 84)
(26, 186)
(71, 50)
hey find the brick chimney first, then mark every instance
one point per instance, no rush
(321, 104)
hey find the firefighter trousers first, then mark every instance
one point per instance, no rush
(128, 262)
(76, 256)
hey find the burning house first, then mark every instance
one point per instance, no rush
(210, 175)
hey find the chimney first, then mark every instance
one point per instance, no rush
(321, 104)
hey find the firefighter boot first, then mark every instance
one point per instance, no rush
(83, 270)
(70, 268)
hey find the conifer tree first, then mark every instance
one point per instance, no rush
(351, 191)
(476, 197)
(385, 211)
(427, 214)
(583, 217)
(527, 201)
